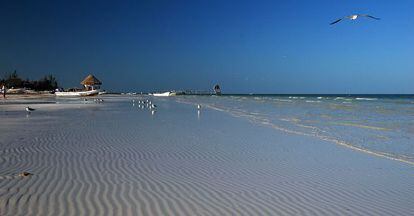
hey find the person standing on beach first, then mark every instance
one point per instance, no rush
(4, 91)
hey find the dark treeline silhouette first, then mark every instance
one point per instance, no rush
(12, 80)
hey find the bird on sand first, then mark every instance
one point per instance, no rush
(198, 106)
(25, 174)
(354, 17)
(28, 109)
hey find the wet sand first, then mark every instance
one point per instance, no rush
(116, 158)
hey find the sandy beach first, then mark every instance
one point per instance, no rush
(118, 158)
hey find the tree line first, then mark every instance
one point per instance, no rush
(12, 80)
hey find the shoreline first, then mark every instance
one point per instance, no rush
(27, 96)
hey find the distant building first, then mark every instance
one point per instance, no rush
(91, 83)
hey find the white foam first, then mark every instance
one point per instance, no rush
(367, 99)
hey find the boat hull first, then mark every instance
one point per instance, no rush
(164, 94)
(77, 94)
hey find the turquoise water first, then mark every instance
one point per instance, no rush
(382, 125)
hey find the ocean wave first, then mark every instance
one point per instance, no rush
(283, 100)
(361, 126)
(367, 99)
(344, 98)
(290, 119)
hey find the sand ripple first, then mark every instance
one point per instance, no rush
(108, 166)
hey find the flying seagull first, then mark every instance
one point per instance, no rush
(354, 17)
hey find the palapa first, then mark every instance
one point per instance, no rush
(90, 81)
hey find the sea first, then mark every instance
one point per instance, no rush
(381, 125)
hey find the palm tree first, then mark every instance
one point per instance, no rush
(13, 80)
(52, 81)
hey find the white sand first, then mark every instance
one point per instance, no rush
(117, 159)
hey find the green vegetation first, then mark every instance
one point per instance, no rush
(12, 80)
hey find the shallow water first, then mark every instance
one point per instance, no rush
(374, 124)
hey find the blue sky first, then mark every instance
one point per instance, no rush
(282, 46)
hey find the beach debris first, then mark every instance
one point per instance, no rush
(20, 175)
(25, 174)
(354, 17)
(29, 109)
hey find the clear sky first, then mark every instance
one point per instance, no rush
(284, 46)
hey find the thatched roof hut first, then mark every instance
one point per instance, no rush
(91, 80)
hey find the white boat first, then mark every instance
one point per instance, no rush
(78, 93)
(164, 94)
